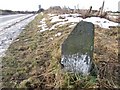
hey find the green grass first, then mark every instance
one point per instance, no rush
(32, 60)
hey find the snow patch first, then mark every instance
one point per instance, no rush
(51, 38)
(43, 25)
(103, 23)
(58, 34)
(73, 19)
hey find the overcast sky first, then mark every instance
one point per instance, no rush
(31, 5)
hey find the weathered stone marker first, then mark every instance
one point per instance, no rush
(77, 49)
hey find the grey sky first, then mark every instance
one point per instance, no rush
(33, 4)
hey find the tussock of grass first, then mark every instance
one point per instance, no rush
(32, 61)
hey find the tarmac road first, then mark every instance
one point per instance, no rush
(10, 27)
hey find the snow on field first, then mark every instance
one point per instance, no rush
(66, 17)
(103, 23)
(74, 19)
(9, 34)
(58, 34)
(43, 25)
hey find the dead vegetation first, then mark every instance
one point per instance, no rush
(32, 61)
(106, 57)
(85, 13)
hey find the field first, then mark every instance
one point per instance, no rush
(33, 59)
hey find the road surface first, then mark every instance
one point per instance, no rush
(4, 18)
(10, 27)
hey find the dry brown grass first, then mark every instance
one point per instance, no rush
(33, 61)
(106, 56)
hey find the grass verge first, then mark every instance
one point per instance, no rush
(32, 60)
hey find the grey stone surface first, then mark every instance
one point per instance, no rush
(77, 49)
